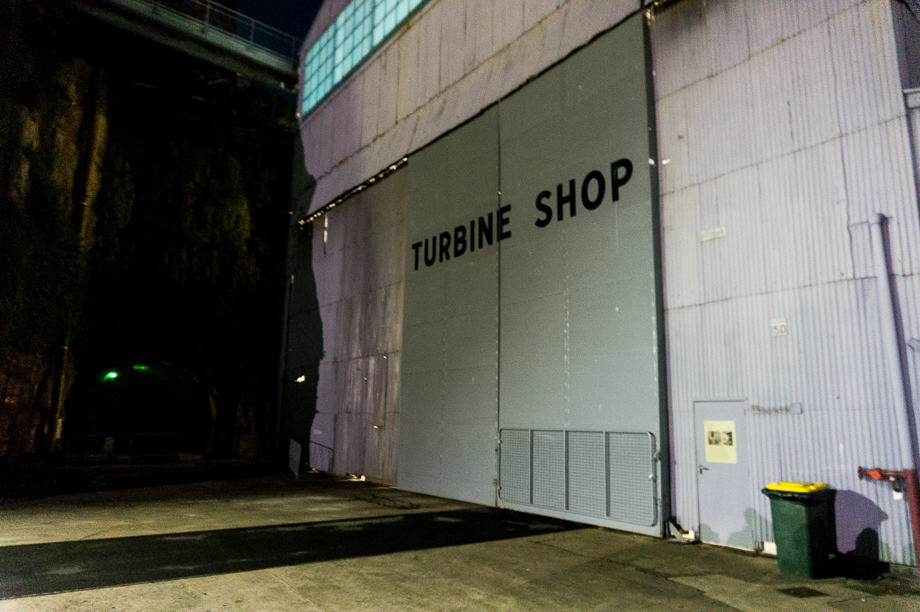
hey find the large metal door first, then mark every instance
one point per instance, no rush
(722, 452)
(449, 378)
(579, 366)
(531, 317)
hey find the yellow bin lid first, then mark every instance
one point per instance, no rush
(797, 487)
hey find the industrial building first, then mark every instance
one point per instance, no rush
(616, 261)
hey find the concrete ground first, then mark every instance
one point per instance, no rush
(317, 543)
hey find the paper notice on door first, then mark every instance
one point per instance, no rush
(720, 441)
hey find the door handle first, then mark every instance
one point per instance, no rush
(701, 467)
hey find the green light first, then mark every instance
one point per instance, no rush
(140, 366)
(111, 375)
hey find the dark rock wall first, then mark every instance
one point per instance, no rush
(143, 216)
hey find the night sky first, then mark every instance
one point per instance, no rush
(291, 16)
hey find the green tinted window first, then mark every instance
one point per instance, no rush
(355, 33)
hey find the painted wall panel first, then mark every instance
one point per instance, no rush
(357, 254)
(865, 65)
(448, 436)
(453, 38)
(772, 287)
(424, 73)
(567, 311)
(578, 327)
(879, 181)
(585, 282)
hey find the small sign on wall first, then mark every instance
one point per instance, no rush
(720, 441)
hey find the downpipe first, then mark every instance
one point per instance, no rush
(900, 385)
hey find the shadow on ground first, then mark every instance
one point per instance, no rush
(43, 479)
(39, 569)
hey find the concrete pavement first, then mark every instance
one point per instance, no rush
(317, 543)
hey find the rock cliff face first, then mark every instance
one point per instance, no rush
(143, 215)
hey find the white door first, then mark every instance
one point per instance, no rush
(722, 454)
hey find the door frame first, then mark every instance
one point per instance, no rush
(744, 404)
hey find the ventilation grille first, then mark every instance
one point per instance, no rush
(549, 469)
(515, 466)
(589, 473)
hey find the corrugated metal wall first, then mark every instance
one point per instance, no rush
(782, 138)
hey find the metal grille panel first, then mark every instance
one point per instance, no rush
(549, 469)
(515, 466)
(587, 473)
(632, 478)
(606, 475)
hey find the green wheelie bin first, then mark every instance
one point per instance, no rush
(803, 526)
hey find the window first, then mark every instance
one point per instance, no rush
(357, 30)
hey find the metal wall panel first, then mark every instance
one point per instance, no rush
(358, 253)
(601, 477)
(578, 346)
(448, 433)
(587, 484)
(516, 459)
(773, 290)
(631, 493)
(548, 474)
(449, 62)
(552, 327)
(578, 297)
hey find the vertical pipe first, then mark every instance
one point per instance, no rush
(663, 487)
(913, 502)
(892, 353)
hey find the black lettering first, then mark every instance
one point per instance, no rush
(562, 199)
(415, 248)
(544, 208)
(616, 180)
(444, 251)
(429, 258)
(472, 235)
(485, 230)
(459, 240)
(504, 220)
(586, 199)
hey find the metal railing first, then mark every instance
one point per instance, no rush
(217, 16)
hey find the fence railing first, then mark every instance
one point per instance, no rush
(229, 21)
(126, 446)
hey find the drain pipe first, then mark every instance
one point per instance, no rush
(889, 322)
(899, 382)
